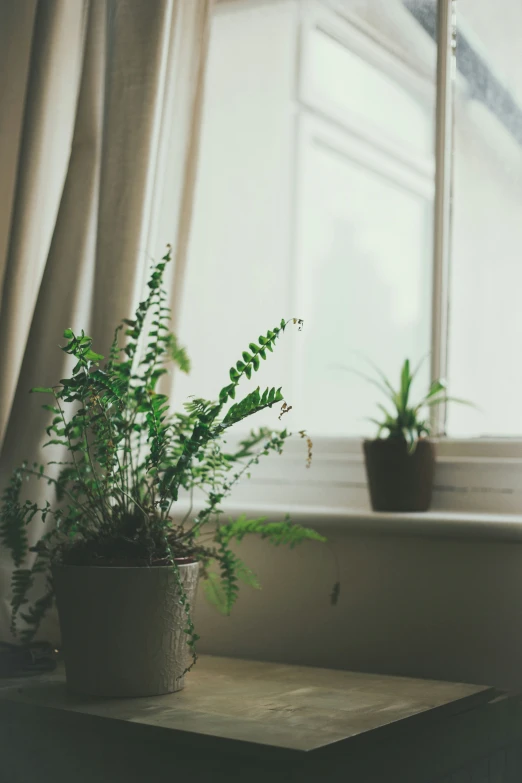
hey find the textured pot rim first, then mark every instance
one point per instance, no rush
(121, 568)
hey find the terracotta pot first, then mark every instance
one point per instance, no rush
(398, 480)
(122, 628)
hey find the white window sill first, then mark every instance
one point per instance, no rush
(434, 523)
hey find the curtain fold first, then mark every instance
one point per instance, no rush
(100, 103)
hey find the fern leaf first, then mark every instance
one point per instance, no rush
(34, 616)
(215, 593)
(21, 583)
(246, 575)
(285, 532)
(13, 532)
(177, 353)
(252, 403)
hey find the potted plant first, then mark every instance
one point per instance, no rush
(123, 572)
(400, 461)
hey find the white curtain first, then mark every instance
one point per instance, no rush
(100, 104)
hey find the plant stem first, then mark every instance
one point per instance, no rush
(83, 507)
(78, 473)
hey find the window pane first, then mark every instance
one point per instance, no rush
(238, 282)
(365, 254)
(314, 200)
(365, 211)
(485, 339)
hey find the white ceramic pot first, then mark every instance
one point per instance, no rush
(123, 628)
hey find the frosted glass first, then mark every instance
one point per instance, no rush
(485, 338)
(365, 250)
(344, 78)
(281, 230)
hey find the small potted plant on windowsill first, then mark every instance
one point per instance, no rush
(400, 461)
(123, 573)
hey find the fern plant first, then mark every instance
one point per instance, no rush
(127, 459)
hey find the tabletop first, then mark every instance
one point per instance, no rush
(294, 708)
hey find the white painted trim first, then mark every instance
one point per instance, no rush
(352, 36)
(474, 483)
(442, 213)
(362, 151)
(342, 9)
(433, 524)
(490, 450)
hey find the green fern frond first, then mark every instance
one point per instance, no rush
(34, 616)
(285, 532)
(215, 593)
(250, 360)
(21, 582)
(13, 534)
(221, 590)
(251, 404)
(246, 575)
(177, 353)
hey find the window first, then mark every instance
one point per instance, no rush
(485, 323)
(317, 198)
(364, 208)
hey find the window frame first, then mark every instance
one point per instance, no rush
(476, 447)
(479, 458)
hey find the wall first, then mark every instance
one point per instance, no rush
(416, 605)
